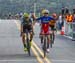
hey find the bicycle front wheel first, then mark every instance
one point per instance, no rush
(28, 46)
(45, 47)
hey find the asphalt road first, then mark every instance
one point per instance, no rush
(11, 47)
(63, 50)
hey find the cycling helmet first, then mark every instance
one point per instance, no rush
(45, 11)
(25, 15)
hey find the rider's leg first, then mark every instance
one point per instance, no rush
(52, 29)
(48, 43)
(31, 36)
(31, 32)
(23, 39)
(53, 34)
(30, 29)
(41, 37)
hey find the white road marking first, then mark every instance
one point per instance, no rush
(63, 60)
(20, 60)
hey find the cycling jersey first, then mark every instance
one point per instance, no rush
(27, 25)
(26, 22)
(45, 23)
(52, 22)
(45, 19)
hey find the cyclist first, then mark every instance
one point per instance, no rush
(53, 24)
(44, 20)
(26, 25)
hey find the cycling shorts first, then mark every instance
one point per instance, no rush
(44, 29)
(52, 27)
(27, 28)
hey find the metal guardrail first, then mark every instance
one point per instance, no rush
(70, 29)
(73, 31)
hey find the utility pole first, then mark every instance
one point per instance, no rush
(34, 8)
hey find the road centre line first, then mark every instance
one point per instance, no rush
(46, 59)
(37, 56)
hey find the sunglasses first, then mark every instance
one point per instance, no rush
(45, 13)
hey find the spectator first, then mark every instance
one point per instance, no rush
(60, 22)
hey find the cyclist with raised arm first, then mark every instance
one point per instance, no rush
(44, 20)
(26, 25)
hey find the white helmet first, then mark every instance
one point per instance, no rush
(45, 11)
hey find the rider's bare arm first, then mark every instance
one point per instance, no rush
(21, 28)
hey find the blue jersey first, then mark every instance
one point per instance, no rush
(45, 19)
